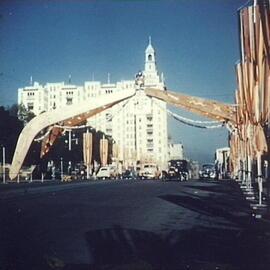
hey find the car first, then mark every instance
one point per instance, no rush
(104, 172)
(178, 170)
(172, 173)
(208, 171)
(150, 171)
(107, 172)
(128, 174)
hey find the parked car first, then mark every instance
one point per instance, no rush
(150, 171)
(104, 172)
(208, 171)
(128, 174)
(107, 172)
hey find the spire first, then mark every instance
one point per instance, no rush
(31, 80)
(69, 78)
(150, 48)
(109, 78)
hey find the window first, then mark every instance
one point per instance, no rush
(149, 57)
(30, 106)
(108, 117)
(149, 117)
(69, 101)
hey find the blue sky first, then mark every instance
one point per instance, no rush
(196, 42)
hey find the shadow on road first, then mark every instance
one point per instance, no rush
(211, 206)
(136, 249)
(220, 186)
(197, 248)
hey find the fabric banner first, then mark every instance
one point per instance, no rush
(103, 152)
(115, 151)
(87, 148)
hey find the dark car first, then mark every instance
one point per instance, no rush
(178, 170)
(128, 174)
(208, 171)
(172, 173)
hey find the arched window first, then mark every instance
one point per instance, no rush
(150, 57)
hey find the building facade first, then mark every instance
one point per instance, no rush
(176, 151)
(138, 125)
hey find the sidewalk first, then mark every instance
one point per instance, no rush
(252, 197)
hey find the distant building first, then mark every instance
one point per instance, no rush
(222, 161)
(139, 125)
(176, 151)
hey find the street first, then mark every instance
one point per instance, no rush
(131, 225)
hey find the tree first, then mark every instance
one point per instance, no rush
(24, 114)
(10, 127)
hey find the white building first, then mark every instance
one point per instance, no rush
(222, 161)
(176, 151)
(138, 125)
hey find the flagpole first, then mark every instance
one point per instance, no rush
(88, 157)
(259, 170)
(249, 168)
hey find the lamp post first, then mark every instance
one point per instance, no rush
(70, 139)
(61, 165)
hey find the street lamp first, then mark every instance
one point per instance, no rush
(61, 165)
(70, 139)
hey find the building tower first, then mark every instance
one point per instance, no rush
(150, 68)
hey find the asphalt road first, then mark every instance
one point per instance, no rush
(130, 225)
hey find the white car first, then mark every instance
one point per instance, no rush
(150, 171)
(107, 172)
(104, 172)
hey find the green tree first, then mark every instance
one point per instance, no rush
(24, 114)
(10, 128)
